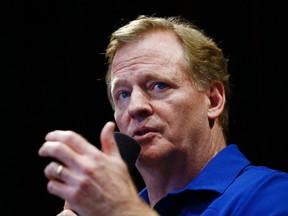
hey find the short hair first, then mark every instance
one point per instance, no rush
(203, 60)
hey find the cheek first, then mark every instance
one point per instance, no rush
(188, 110)
(119, 119)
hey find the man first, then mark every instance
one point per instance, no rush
(168, 85)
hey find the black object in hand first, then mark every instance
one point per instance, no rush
(129, 149)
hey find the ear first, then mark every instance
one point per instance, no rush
(216, 95)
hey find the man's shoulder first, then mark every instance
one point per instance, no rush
(262, 180)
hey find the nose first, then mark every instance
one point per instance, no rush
(139, 105)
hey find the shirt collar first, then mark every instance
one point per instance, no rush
(219, 173)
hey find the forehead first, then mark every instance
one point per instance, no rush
(155, 48)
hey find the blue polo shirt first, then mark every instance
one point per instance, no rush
(229, 185)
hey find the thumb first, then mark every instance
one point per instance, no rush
(107, 139)
(67, 210)
(67, 205)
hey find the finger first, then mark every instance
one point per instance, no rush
(61, 152)
(55, 171)
(107, 139)
(62, 180)
(67, 205)
(77, 142)
(67, 212)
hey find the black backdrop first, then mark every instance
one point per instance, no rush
(52, 66)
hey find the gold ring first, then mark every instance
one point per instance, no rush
(59, 171)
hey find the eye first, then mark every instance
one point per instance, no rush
(160, 85)
(123, 95)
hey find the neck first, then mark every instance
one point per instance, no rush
(175, 171)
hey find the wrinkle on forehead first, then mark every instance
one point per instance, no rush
(149, 60)
(162, 48)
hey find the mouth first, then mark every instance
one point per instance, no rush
(141, 132)
(144, 133)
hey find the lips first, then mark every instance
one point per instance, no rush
(142, 132)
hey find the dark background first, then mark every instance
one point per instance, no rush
(52, 66)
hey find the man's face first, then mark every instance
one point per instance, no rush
(155, 101)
